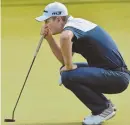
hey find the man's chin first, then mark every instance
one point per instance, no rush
(56, 33)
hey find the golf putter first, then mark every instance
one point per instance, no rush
(35, 54)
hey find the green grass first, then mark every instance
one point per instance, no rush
(43, 102)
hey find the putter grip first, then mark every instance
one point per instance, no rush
(39, 45)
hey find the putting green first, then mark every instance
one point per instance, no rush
(43, 102)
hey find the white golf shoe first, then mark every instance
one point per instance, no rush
(99, 119)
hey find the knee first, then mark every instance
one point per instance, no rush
(66, 80)
(124, 86)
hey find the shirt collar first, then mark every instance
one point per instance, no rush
(70, 18)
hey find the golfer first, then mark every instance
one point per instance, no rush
(104, 71)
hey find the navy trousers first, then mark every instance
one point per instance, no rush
(89, 84)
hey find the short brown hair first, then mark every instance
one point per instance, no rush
(64, 18)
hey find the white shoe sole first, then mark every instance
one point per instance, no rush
(107, 118)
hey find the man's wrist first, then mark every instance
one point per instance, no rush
(69, 67)
(50, 39)
(73, 66)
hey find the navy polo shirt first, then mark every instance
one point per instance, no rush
(94, 44)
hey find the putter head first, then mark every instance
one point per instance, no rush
(9, 120)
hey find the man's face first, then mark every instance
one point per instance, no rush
(56, 25)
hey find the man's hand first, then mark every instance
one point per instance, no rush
(46, 32)
(65, 69)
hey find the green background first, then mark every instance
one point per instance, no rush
(43, 101)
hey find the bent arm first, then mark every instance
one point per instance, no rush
(56, 49)
(66, 48)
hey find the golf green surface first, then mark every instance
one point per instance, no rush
(43, 101)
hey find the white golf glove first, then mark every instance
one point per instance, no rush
(60, 81)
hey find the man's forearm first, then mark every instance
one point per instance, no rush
(56, 50)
